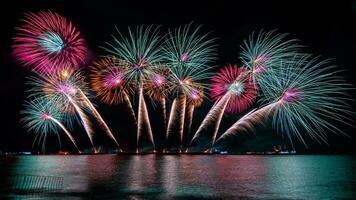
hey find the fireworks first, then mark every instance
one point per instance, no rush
(67, 90)
(141, 51)
(247, 122)
(158, 87)
(215, 114)
(195, 99)
(236, 82)
(186, 51)
(196, 95)
(176, 118)
(98, 117)
(300, 93)
(234, 91)
(58, 87)
(143, 119)
(157, 84)
(61, 89)
(304, 98)
(47, 41)
(188, 56)
(311, 96)
(108, 81)
(267, 50)
(41, 117)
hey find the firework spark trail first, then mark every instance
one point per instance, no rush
(164, 112)
(247, 122)
(85, 121)
(182, 106)
(98, 117)
(143, 119)
(65, 130)
(176, 118)
(190, 113)
(172, 118)
(129, 106)
(194, 100)
(215, 114)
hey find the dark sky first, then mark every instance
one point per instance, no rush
(326, 28)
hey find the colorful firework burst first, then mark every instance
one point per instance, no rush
(140, 50)
(59, 86)
(188, 55)
(42, 117)
(236, 82)
(311, 96)
(305, 98)
(265, 52)
(268, 49)
(48, 41)
(65, 90)
(108, 80)
(157, 84)
(196, 95)
(234, 91)
(185, 48)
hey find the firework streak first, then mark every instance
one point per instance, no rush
(164, 112)
(143, 119)
(176, 118)
(215, 114)
(129, 105)
(65, 130)
(247, 122)
(189, 119)
(85, 121)
(98, 117)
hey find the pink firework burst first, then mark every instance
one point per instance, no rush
(237, 83)
(47, 41)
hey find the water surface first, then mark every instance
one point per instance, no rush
(188, 176)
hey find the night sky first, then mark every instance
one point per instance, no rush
(325, 28)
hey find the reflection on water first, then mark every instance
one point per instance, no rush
(189, 177)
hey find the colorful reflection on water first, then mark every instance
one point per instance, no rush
(188, 176)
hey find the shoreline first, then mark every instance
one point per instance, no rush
(179, 154)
